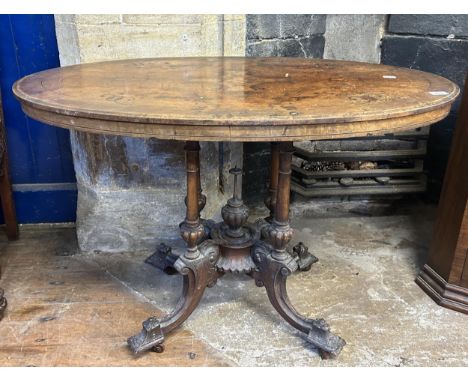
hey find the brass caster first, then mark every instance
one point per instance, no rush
(326, 355)
(158, 348)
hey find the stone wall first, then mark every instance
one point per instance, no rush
(131, 190)
(436, 44)
(354, 37)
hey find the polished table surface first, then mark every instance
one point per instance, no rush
(236, 99)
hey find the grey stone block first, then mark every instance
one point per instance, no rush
(301, 47)
(261, 27)
(256, 170)
(128, 219)
(354, 37)
(131, 191)
(302, 25)
(440, 25)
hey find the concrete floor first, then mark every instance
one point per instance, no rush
(363, 286)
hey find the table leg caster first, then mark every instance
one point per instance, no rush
(158, 348)
(326, 355)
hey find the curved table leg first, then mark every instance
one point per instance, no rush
(272, 274)
(198, 273)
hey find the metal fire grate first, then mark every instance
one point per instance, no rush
(389, 164)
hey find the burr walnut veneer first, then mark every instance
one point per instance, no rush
(279, 100)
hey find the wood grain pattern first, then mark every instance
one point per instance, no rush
(445, 276)
(67, 311)
(7, 202)
(6, 193)
(451, 229)
(236, 99)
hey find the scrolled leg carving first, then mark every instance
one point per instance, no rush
(272, 274)
(198, 273)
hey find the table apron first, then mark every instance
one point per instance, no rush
(228, 133)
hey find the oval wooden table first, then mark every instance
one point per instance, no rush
(279, 100)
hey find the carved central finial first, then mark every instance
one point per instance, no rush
(235, 213)
(237, 192)
(233, 235)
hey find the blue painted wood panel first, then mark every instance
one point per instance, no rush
(40, 159)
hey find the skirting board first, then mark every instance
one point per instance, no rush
(445, 294)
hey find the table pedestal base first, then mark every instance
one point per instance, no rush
(258, 250)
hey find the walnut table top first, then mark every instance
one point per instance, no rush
(236, 99)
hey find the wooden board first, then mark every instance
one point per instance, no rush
(236, 99)
(445, 276)
(6, 195)
(65, 310)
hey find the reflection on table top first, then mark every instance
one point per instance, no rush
(235, 99)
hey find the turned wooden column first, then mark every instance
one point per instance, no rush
(284, 183)
(201, 197)
(270, 200)
(280, 232)
(190, 229)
